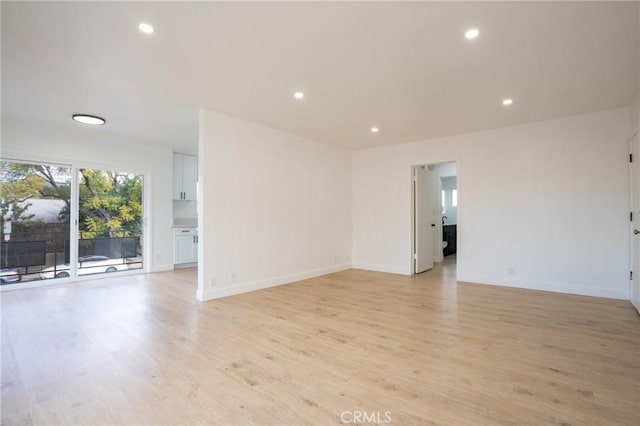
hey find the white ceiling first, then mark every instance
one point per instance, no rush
(404, 67)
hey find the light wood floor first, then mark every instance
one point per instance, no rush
(142, 351)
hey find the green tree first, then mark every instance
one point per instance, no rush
(16, 187)
(110, 204)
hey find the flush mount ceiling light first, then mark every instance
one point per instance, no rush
(145, 28)
(471, 33)
(374, 130)
(88, 119)
(298, 95)
(507, 101)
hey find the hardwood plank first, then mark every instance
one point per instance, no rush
(141, 350)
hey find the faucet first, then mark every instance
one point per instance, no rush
(443, 219)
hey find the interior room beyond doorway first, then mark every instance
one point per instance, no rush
(435, 215)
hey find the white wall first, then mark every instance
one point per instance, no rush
(96, 147)
(635, 114)
(273, 208)
(542, 206)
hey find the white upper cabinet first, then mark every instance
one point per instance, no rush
(189, 177)
(185, 177)
(177, 176)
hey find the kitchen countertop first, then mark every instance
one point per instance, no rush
(185, 223)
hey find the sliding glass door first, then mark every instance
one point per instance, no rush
(39, 203)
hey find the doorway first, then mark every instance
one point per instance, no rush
(435, 202)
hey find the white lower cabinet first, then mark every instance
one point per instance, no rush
(185, 246)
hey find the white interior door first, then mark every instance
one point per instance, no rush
(423, 220)
(635, 224)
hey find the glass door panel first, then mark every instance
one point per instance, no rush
(109, 221)
(35, 204)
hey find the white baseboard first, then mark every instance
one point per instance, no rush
(219, 292)
(185, 265)
(380, 268)
(162, 267)
(610, 293)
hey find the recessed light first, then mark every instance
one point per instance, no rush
(374, 130)
(298, 95)
(507, 101)
(88, 119)
(145, 28)
(472, 33)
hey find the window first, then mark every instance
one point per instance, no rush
(454, 198)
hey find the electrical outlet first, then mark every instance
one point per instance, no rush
(511, 270)
(233, 277)
(213, 282)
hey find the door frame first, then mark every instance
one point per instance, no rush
(412, 220)
(633, 193)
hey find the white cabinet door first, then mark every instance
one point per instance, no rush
(185, 177)
(189, 177)
(183, 250)
(193, 256)
(177, 176)
(185, 246)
